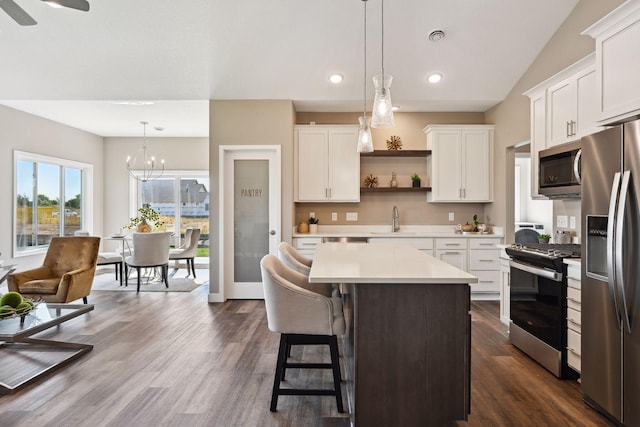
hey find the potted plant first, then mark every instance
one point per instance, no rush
(544, 238)
(147, 219)
(415, 180)
(313, 224)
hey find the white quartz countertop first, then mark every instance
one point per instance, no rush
(371, 231)
(381, 263)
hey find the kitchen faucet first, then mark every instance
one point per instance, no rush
(395, 219)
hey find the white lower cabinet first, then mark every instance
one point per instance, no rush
(574, 320)
(505, 290)
(452, 251)
(484, 262)
(306, 245)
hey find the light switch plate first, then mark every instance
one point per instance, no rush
(572, 222)
(562, 221)
(352, 216)
(452, 216)
(312, 214)
(334, 216)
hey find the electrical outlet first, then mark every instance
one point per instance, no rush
(572, 222)
(562, 221)
(334, 216)
(352, 216)
(312, 214)
(452, 216)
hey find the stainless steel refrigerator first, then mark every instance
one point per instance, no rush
(611, 272)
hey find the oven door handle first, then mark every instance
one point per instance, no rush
(542, 272)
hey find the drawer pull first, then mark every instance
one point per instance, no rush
(486, 260)
(486, 244)
(573, 351)
(452, 253)
(452, 244)
(309, 244)
(485, 281)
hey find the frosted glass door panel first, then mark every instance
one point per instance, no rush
(251, 218)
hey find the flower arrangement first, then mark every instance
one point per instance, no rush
(415, 177)
(145, 215)
(313, 220)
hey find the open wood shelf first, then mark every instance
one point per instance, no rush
(394, 189)
(397, 153)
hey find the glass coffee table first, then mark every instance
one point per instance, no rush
(25, 359)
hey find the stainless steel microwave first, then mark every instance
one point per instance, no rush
(559, 171)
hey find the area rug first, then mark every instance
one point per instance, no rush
(106, 282)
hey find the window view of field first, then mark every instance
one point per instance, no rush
(183, 201)
(39, 213)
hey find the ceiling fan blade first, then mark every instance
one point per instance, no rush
(16, 12)
(82, 5)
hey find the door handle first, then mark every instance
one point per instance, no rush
(620, 229)
(272, 232)
(576, 166)
(568, 132)
(611, 240)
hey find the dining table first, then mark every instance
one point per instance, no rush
(407, 345)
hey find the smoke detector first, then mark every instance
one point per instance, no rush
(436, 35)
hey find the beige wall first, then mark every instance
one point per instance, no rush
(376, 208)
(249, 123)
(511, 117)
(181, 154)
(25, 132)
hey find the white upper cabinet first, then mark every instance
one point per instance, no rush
(538, 136)
(327, 166)
(562, 109)
(617, 37)
(572, 107)
(462, 158)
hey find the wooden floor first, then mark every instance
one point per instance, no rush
(174, 360)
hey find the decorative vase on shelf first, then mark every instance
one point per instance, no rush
(143, 227)
(303, 227)
(394, 182)
(415, 183)
(313, 228)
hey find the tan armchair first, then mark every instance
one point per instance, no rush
(66, 273)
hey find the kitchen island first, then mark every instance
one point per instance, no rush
(407, 347)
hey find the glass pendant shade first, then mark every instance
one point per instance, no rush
(382, 114)
(365, 142)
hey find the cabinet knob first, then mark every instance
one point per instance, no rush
(272, 232)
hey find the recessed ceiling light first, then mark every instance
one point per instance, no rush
(395, 108)
(434, 77)
(335, 78)
(436, 35)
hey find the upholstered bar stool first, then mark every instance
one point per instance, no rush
(301, 317)
(293, 259)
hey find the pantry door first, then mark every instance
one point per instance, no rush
(250, 226)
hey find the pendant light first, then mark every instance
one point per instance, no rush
(365, 142)
(143, 166)
(382, 113)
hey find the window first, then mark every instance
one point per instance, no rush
(182, 199)
(50, 197)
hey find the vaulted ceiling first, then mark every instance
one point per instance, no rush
(77, 68)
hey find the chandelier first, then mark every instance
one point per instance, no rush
(143, 166)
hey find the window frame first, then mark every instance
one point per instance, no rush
(86, 195)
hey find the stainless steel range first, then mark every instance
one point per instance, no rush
(538, 303)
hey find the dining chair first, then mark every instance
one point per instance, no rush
(187, 251)
(150, 250)
(301, 317)
(107, 258)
